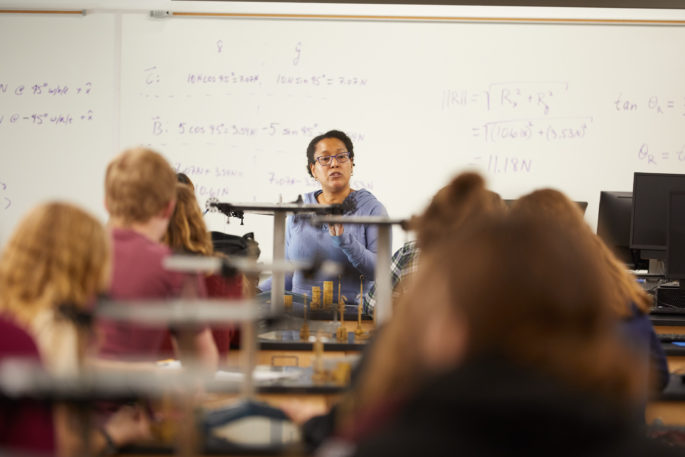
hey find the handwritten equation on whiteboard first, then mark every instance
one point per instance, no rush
(232, 122)
(540, 113)
(45, 104)
(5, 201)
(656, 157)
(517, 112)
(275, 178)
(187, 129)
(662, 106)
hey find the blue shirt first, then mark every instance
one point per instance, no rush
(355, 249)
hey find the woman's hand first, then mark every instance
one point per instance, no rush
(300, 411)
(335, 229)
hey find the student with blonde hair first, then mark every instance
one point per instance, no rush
(57, 260)
(140, 195)
(51, 270)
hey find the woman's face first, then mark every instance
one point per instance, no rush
(335, 176)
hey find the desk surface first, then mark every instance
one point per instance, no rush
(668, 407)
(285, 336)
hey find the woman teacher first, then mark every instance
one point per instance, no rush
(330, 161)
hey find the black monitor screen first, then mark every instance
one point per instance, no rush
(613, 222)
(650, 208)
(675, 254)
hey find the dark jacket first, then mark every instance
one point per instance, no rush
(639, 333)
(492, 408)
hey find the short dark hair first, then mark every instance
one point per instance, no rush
(340, 135)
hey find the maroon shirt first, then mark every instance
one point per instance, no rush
(25, 425)
(220, 287)
(137, 273)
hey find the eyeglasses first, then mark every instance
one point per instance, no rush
(325, 161)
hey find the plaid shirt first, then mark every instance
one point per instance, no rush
(404, 262)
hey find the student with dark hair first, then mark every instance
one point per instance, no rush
(629, 301)
(450, 209)
(515, 357)
(330, 161)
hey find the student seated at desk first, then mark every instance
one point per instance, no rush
(629, 301)
(515, 357)
(140, 194)
(188, 234)
(25, 425)
(51, 270)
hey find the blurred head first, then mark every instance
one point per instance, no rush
(187, 230)
(530, 290)
(453, 207)
(519, 286)
(58, 254)
(139, 185)
(333, 173)
(553, 205)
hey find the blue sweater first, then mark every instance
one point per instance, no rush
(355, 249)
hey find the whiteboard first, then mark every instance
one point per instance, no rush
(57, 112)
(233, 103)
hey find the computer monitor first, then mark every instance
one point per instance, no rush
(613, 226)
(648, 228)
(675, 252)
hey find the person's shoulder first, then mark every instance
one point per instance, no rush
(126, 241)
(408, 250)
(367, 203)
(364, 194)
(15, 340)
(636, 316)
(410, 246)
(310, 197)
(139, 259)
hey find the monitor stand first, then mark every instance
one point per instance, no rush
(656, 267)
